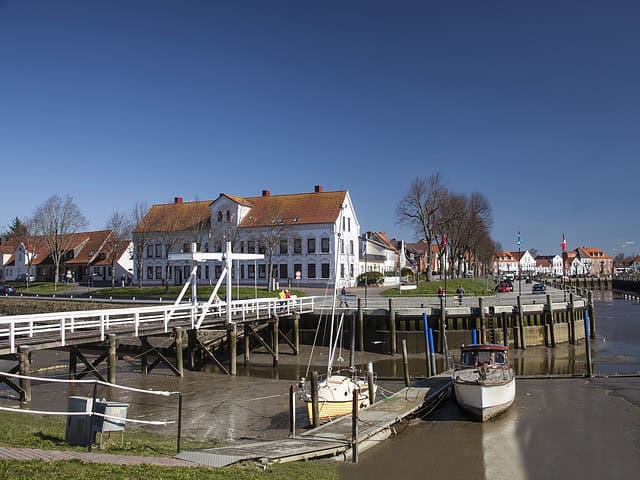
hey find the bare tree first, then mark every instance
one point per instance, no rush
(420, 208)
(170, 235)
(116, 243)
(57, 220)
(141, 236)
(269, 236)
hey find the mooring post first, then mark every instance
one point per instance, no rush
(112, 358)
(179, 446)
(425, 327)
(192, 335)
(144, 368)
(505, 330)
(405, 363)
(443, 321)
(232, 336)
(352, 350)
(587, 343)
(276, 340)
(370, 383)
(179, 349)
(523, 344)
(296, 332)
(432, 352)
(360, 326)
(25, 370)
(292, 411)
(392, 326)
(483, 328)
(552, 329)
(73, 362)
(572, 320)
(354, 425)
(592, 315)
(247, 344)
(314, 399)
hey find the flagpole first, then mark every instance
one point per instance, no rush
(519, 268)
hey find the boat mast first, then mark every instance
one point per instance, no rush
(333, 345)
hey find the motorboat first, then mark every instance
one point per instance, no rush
(484, 383)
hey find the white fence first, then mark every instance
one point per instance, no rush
(54, 327)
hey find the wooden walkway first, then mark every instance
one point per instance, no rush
(333, 438)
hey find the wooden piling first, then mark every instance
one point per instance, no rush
(232, 337)
(314, 400)
(25, 370)
(144, 366)
(483, 322)
(552, 330)
(296, 332)
(370, 384)
(443, 322)
(405, 363)
(179, 349)
(292, 411)
(360, 326)
(572, 320)
(247, 345)
(73, 363)
(354, 425)
(522, 342)
(112, 358)
(352, 349)
(592, 315)
(505, 330)
(392, 326)
(276, 340)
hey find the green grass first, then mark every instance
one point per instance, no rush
(21, 470)
(41, 288)
(472, 287)
(174, 290)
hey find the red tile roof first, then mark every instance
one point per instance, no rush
(173, 217)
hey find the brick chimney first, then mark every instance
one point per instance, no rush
(318, 189)
(177, 200)
(266, 193)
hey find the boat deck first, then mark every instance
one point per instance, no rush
(333, 438)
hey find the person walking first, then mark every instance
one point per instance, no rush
(440, 292)
(343, 297)
(460, 293)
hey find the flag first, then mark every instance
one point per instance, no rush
(564, 243)
(518, 238)
(443, 246)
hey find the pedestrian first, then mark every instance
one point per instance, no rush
(460, 293)
(287, 294)
(123, 279)
(343, 297)
(440, 292)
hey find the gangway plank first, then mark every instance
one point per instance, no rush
(333, 438)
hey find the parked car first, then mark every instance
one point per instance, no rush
(504, 287)
(508, 282)
(7, 290)
(539, 288)
(23, 278)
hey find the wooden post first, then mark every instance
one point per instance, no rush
(443, 321)
(192, 335)
(232, 337)
(427, 352)
(247, 344)
(516, 334)
(73, 362)
(572, 320)
(392, 326)
(352, 349)
(505, 330)
(296, 332)
(179, 350)
(354, 426)
(371, 385)
(25, 369)
(144, 367)
(360, 326)
(523, 344)
(292, 411)
(314, 399)
(552, 329)
(276, 340)
(592, 315)
(405, 363)
(483, 327)
(587, 343)
(112, 358)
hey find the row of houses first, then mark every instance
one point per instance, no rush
(312, 238)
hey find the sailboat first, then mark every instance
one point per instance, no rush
(335, 390)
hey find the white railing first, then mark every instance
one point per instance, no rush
(57, 326)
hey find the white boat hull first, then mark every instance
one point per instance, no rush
(335, 397)
(485, 400)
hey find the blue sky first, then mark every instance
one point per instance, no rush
(534, 104)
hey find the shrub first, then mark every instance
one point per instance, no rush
(371, 278)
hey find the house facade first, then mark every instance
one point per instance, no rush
(549, 265)
(308, 239)
(595, 261)
(379, 254)
(634, 266)
(513, 263)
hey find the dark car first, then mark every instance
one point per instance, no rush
(7, 290)
(539, 288)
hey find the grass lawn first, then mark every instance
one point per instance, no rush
(472, 287)
(40, 288)
(46, 432)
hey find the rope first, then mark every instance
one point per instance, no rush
(76, 414)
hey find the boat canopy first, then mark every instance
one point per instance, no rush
(484, 354)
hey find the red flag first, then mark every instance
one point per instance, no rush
(444, 242)
(564, 243)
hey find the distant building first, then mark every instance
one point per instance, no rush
(595, 261)
(549, 265)
(514, 263)
(308, 239)
(635, 265)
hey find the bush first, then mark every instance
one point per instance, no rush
(406, 273)
(371, 278)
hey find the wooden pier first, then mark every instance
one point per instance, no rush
(334, 439)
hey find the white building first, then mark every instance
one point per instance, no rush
(379, 254)
(308, 239)
(549, 265)
(514, 263)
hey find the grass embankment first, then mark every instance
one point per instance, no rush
(45, 432)
(472, 287)
(40, 288)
